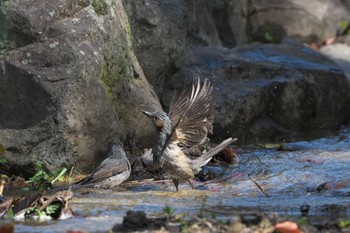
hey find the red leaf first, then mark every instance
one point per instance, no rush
(287, 227)
(7, 228)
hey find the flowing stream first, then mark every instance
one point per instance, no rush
(311, 173)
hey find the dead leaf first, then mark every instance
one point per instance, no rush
(314, 46)
(53, 205)
(328, 41)
(7, 228)
(4, 206)
(230, 155)
(17, 182)
(78, 177)
(287, 227)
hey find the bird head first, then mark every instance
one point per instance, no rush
(158, 118)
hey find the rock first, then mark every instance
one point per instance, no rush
(268, 92)
(138, 220)
(251, 218)
(159, 35)
(228, 24)
(237, 227)
(70, 85)
(135, 220)
(161, 30)
(340, 53)
(271, 21)
(217, 23)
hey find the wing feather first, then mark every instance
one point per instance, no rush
(191, 114)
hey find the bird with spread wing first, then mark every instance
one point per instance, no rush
(186, 125)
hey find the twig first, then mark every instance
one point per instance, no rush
(144, 182)
(70, 175)
(256, 183)
(2, 185)
(48, 202)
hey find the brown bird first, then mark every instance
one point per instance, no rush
(187, 125)
(114, 170)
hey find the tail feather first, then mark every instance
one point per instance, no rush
(199, 162)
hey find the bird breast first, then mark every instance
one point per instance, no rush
(175, 163)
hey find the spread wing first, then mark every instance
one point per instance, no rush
(191, 115)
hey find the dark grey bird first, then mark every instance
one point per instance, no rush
(114, 170)
(186, 125)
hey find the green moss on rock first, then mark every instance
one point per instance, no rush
(116, 64)
(100, 6)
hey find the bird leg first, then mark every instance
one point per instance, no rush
(190, 182)
(176, 183)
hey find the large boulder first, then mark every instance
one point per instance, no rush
(162, 29)
(159, 36)
(70, 85)
(230, 23)
(217, 23)
(308, 21)
(268, 92)
(340, 53)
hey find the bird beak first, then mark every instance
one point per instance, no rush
(146, 113)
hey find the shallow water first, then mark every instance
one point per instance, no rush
(314, 172)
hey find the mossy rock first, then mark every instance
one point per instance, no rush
(100, 6)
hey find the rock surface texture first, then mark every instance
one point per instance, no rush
(74, 74)
(340, 53)
(70, 85)
(308, 21)
(268, 92)
(159, 36)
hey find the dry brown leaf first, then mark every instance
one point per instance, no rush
(287, 227)
(7, 228)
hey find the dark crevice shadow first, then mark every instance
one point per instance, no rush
(23, 102)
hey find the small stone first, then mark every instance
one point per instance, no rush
(135, 219)
(237, 227)
(173, 226)
(251, 219)
(304, 209)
